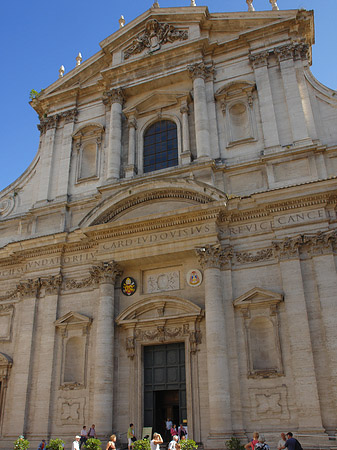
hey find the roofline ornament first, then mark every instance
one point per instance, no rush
(153, 37)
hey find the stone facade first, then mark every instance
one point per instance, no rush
(229, 247)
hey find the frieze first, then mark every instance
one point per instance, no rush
(153, 37)
(248, 257)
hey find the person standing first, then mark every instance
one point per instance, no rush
(84, 436)
(76, 443)
(261, 445)
(130, 435)
(291, 443)
(174, 431)
(111, 445)
(173, 443)
(92, 432)
(42, 445)
(281, 441)
(168, 426)
(156, 441)
(181, 431)
(253, 442)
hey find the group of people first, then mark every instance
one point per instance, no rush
(84, 436)
(287, 441)
(172, 430)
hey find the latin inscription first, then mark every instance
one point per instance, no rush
(46, 262)
(156, 238)
(278, 222)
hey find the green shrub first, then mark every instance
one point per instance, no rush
(93, 444)
(21, 444)
(188, 444)
(142, 444)
(55, 444)
(234, 444)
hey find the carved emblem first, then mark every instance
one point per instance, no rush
(6, 206)
(129, 286)
(194, 278)
(163, 282)
(154, 36)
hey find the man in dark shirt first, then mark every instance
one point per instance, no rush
(291, 443)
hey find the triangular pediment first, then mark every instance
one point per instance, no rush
(257, 297)
(158, 100)
(73, 319)
(159, 309)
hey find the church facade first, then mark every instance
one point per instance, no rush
(171, 250)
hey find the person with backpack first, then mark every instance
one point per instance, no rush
(291, 443)
(261, 444)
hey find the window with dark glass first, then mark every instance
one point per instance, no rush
(160, 146)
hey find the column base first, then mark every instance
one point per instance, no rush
(217, 441)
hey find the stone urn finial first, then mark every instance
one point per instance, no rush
(78, 59)
(250, 5)
(193, 3)
(121, 22)
(274, 6)
(61, 71)
(155, 4)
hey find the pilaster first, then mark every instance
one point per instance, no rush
(211, 259)
(269, 124)
(130, 170)
(301, 357)
(185, 156)
(105, 275)
(115, 98)
(199, 72)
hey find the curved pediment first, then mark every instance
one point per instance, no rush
(159, 309)
(152, 198)
(5, 360)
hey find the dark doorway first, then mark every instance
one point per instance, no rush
(164, 385)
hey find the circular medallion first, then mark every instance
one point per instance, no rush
(129, 286)
(194, 278)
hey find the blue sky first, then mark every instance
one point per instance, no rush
(38, 36)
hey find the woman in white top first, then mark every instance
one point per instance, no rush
(156, 441)
(111, 445)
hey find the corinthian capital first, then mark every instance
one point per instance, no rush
(259, 59)
(288, 248)
(200, 70)
(214, 256)
(51, 284)
(114, 96)
(28, 288)
(106, 272)
(70, 115)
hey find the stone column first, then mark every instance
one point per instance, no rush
(115, 98)
(64, 167)
(268, 117)
(321, 249)
(130, 170)
(44, 361)
(293, 97)
(300, 359)
(48, 128)
(220, 424)
(106, 275)
(22, 365)
(199, 73)
(185, 156)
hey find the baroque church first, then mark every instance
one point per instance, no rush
(171, 249)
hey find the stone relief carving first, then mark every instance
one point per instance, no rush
(154, 36)
(214, 256)
(71, 411)
(169, 281)
(7, 205)
(248, 257)
(114, 96)
(284, 52)
(200, 70)
(268, 404)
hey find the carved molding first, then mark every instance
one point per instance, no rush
(114, 96)
(214, 256)
(153, 37)
(248, 257)
(283, 53)
(200, 70)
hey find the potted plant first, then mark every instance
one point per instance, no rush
(234, 444)
(93, 444)
(55, 444)
(21, 444)
(141, 444)
(188, 444)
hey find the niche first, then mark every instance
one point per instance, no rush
(87, 147)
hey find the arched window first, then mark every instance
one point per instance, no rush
(160, 146)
